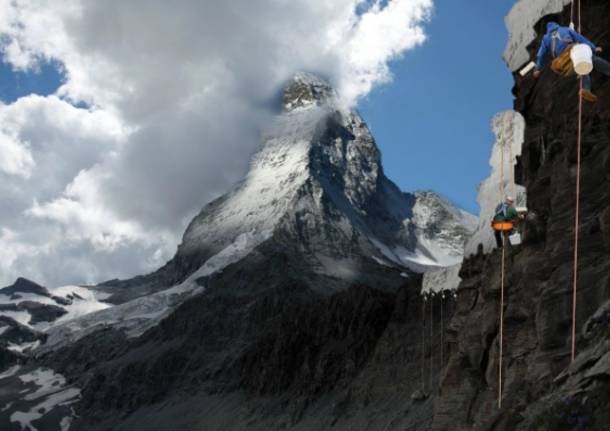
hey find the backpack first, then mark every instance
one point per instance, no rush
(501, 212)
(562, 65)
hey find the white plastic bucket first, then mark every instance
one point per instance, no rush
(515, 239)
(582, 58)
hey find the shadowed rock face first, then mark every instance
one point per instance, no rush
(261, 335)
(542, 390)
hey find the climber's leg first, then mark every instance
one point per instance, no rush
(586, 90)
(601, 65)
(498, 236)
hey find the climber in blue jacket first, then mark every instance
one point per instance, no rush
(556, 42)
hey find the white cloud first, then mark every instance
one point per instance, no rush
(178, 91)
(381, 35)
(16, 156)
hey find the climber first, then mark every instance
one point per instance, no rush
(505, 212)
(558, 42)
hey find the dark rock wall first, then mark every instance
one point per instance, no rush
(261, 330)
(537, 327)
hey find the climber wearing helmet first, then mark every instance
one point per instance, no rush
(505, 212)
(558, 42)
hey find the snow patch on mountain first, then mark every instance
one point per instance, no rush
(520, 23)
(23, 347)
(43, 391)
(22, 317)
(75, 300)
(138, 315)
(257, 204)
(441, 280)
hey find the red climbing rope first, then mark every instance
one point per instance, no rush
(577, 216)
(504, 239)
(501, 323)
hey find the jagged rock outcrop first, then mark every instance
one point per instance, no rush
(521, 22)
(542, 390)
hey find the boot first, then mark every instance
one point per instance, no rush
(588, 96)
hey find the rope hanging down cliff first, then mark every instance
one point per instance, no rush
(577, 215)
(423, 344)
(502, 143)
(504, 228)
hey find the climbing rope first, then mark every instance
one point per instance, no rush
(423, 343)
(501, 326)
(442, 327)
(577, 215)
(431, 338)
(504, 239)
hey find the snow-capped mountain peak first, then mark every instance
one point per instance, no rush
(306, 90)
(315, 191)
(318, 175)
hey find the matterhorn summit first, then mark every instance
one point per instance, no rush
(317, 182)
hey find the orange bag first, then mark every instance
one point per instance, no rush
(503, 226)
(562, 65)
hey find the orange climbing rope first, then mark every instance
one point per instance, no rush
(577, 215)
(504, 239)
(501, 326)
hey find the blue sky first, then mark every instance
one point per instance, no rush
(432, 122)
(43, 81)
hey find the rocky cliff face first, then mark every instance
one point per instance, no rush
(542, 389)
(521, 23)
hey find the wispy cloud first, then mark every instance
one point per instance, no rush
(176, 93)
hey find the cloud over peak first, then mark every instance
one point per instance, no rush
(175, 94)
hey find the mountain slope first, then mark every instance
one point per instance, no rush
(278, 294)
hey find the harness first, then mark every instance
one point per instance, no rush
(503, 210)
(557, 37)
(562, 63)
